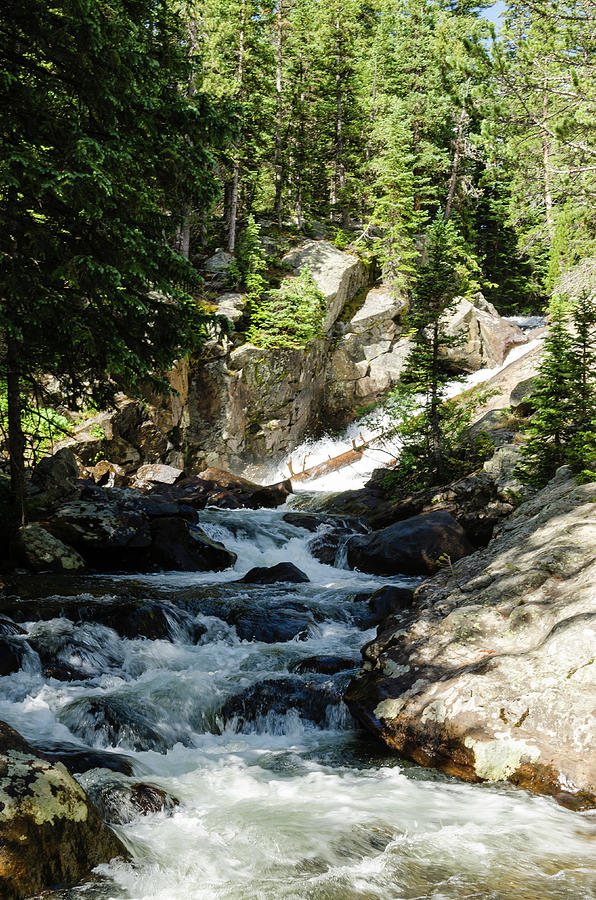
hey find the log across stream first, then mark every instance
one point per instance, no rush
(273, 792)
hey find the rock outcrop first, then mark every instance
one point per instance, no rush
(416, 546)
(49, 832)
(491, 676)
(482, 338)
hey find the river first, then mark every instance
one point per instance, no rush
(273, 805)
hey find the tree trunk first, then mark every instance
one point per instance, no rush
(457, 152)
(435, 424)
(339, 180)
(16, 438)
(236, 174)
(278, 162)
(548, 199)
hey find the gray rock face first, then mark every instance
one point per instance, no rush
(49, 832)
(370, 355)
(338, 275)
(492, 675)
(485, 338)
(416, 546)
(40, 550)
(54, 479)
(231, 306)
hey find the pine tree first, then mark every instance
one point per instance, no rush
(549, 430)
(581, 453)
(102, 151)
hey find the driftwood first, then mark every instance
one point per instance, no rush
(337, 462)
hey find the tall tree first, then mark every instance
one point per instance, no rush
(102, 150)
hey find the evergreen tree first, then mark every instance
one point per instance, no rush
(442, 275)
(101, 152)
(546, 448)
(582, 441)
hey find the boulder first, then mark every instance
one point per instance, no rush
(382, 305)
(157, 473)
(222, 484)
(108, 474)
(284, 571)
(54, 479)
(119, 802)
(324, 665)
(98, 525)
(416, 546)
(40, 550)
(178, 545)
(49, 832)
(483, 338)
(110, 720)
(491, 676)
(273, 623)
(231, 306)
(12, 654)
(338, 275)
(219, 263)
(78, 759)
(277, 696)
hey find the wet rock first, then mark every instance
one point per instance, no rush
(49, 832)
(273, 624)
(315, 521)
(12, 653)
(97, 525)
(324, 547)
(118, 802)
(112, 721)
(388, 600)
(247, 493)
(129, 617)
(9, 628)
(491, 675)
(416, 546)
(284, 571)
(40, 550)
(79, 759)
(178, 545)
(278, 696)
(324, 665)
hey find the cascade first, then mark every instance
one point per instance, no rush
(235, 715)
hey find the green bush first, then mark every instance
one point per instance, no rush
(289, 317)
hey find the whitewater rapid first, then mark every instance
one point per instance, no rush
(282, 809)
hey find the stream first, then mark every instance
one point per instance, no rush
(277, 794)
(273, 805)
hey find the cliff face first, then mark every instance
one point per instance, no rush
(240, 404)
(491, 675)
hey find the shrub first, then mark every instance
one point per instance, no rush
(291, 316)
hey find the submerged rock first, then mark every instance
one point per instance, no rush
(284, 571)
(119, 802)
(79, 759)
(416, 546)
(49, 832)
(324, 665)
(492, 674)
(112, 720)
(273, 623)
(276, 697)
(180, 546)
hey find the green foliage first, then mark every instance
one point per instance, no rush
(251, 261)
(42, 426)
(563, 428)
(290, 317)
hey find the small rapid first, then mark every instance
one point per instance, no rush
(277, 794)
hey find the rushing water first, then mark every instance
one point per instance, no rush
(280, 808)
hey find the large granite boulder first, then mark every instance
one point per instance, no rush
(54, 480)
(483, 338)
(49, 832)
(491, 676)
(338, 275)
(40, 550)
(416, 546)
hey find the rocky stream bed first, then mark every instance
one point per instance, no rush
(203, 714)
